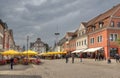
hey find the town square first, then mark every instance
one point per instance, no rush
(59, 39)
(89, 68)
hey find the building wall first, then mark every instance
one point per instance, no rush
(105, 33)
(1, 36)
(72, 45)
(80, 43)
(66, 46)
(38, 46)
(6, 40)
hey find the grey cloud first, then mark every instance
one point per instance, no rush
(40, 18)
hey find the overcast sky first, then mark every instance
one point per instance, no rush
(42, 18)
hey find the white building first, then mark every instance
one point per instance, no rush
(81, 41)
(38, 46)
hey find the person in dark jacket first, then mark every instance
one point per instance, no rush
(117, 57)
(11, 62)
(81, 56)
(73, 58)
(67, 57)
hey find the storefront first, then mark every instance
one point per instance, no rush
(113, 51)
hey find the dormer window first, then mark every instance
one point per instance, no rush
(112, 24)
(101, 24)
(93, 28)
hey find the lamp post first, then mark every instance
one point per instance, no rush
(27, 48)
(56, 42)
(108, 42)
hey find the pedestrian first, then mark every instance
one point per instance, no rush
(117, 57)
(73, 58)
(109, 60)
(11, 62)
(67, 57)
(96, 57)
(81, 57)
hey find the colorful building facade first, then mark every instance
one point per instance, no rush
(99, 35)
(104, 30)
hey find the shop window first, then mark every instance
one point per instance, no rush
(113, 51)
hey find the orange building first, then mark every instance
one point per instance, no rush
(104, 30)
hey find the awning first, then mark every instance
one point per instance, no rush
(78, 51)
(92, 49)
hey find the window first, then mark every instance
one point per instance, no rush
(113, 37)
(92, 40)
(118, 24)
(84, 42)
(79, 43)
(93, 28)
(99, 38)
(112, 24)
(1, 40)
(101, 24)
(83, 33)
(78, 34)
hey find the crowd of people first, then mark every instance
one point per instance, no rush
(98, 57)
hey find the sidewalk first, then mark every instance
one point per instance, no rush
(18, 67)
(86, 60)
(58, 68)
(19, 76)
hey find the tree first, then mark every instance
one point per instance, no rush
(47, 47)
(23, 49)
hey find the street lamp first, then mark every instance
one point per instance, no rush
(56, 34)
(27, 42)
(27, 48)
(108, 45)
(56, 42)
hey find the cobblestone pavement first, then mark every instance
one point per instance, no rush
(19, 76)
(59, 69)
(15, 67)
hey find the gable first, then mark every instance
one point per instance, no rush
(81, 27)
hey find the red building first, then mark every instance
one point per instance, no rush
(104, 30)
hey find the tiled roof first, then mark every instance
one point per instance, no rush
(104, 15)
(84, 23)
(70, 33)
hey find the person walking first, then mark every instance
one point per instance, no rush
(81, 57)
(11, 62)
(67, 57)
(73, 58)
(96, 57)
(117, 57)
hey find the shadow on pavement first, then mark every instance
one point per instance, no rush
(15, 67)
(19, 76)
